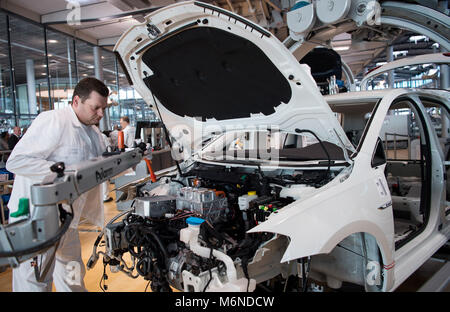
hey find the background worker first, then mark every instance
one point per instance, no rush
(129, 132)
(105, 185)
(14, 137)
(114, 135)
(68, 135)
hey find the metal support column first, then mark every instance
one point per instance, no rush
(75, 59)
(445, 74)
(50, 99)
(2, 92)
(31, 86)
(69, 63)
(11, 73)
(390, 58)
(104, 122)
(116, 68)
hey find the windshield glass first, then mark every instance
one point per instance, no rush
(266, 145)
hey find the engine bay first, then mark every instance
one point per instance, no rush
(189, 231)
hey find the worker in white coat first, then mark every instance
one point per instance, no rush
(68, 135)
(114, 135)
(105, 185)
(129, 132)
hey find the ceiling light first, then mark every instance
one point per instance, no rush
(52, 41)
(381, 63)
(91, 66)
(344, 48)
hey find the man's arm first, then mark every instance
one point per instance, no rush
(29, 157)
(129, 137)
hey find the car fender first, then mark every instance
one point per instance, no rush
(317, 224)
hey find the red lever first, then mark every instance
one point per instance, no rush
(120, 141)
(149, 166)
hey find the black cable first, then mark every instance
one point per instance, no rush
(161, 246)
(178, 181)
(321, 144)
(42, 246)
(366, 258)
(305, 274)
(167, 133)
(103, 278)
(209, 269)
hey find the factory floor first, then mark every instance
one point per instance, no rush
(119, 282)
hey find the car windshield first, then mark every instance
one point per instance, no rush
(270, 146)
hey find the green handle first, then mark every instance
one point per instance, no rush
(24, 208)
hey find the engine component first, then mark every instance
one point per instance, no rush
(115, 240)
(195, 237)
(244, 200)
(209, 203)
(189, 236)
(155, 206)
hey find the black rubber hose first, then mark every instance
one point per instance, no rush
(321, 144)
(160, 244)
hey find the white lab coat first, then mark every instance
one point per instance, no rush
(128, 135)
(106, 140)
(55, 136)
(114, 135)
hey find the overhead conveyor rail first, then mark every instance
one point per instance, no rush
(417, 18)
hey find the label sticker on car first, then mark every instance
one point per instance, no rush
(382, 188)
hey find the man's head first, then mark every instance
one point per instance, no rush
(89, 100)
(124, 122)
(17, 131)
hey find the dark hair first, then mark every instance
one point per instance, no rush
(125, 118)
(3, 134)
(86, 85)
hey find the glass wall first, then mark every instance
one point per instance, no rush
(61, 67)
(6, 91)
(30, 69)
(39, 68)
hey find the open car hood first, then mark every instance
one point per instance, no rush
(205, 70)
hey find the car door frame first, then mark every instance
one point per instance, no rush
(424, 243)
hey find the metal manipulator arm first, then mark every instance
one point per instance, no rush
(24, 239)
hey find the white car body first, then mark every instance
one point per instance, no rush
(356, 201)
